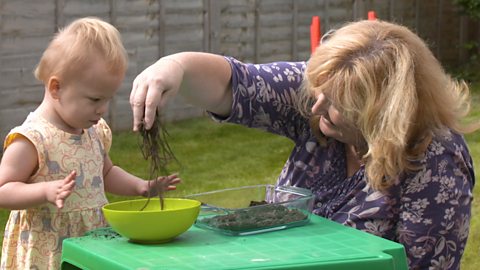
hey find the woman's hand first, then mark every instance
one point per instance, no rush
(58, 191)
(154, 87)
(202, 78)
(164, 183)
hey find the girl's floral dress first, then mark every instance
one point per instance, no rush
(33, 237)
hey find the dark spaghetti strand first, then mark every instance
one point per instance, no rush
(157, 151)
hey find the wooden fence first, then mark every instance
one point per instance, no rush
(250, 30)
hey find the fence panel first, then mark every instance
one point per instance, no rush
(250, 30)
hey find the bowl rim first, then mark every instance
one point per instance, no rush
(195, 204)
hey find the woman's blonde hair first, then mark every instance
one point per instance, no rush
(81, 41)
(386, 82)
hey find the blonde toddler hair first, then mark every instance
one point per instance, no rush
(80, 42)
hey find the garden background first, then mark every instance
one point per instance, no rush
(250, 30)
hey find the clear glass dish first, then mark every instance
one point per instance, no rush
(253, 209)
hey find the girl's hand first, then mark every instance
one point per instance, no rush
(58, 191)
(163, 183)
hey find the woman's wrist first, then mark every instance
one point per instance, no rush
(173, 60)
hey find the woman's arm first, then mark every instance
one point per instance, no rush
(203, 79)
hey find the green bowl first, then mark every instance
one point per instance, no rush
(151, 225)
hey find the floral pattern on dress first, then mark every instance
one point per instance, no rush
(428, 211)
(33, 237)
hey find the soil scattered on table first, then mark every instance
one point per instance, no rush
(105, 233)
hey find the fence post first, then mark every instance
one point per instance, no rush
(439, 25)
(462, 38)
(391, 9)
(214, 25)
(112, 109)
(326, 18)
(417, 15)
(358, 9)
(161, 29)
(294, 30)
(59, 18)
(257, 31)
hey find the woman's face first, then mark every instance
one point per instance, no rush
(332, 123)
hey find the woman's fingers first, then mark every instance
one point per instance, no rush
(137, 100)
(147, 91)
(154, 94)
(153, 88)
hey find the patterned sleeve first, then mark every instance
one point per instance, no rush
(28, 133)
(435, 207)
(104, 134)
(264, 96)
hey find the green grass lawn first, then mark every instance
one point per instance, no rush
(470, 258)
(216, 156)
(212, 156)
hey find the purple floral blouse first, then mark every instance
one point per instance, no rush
(427, 211)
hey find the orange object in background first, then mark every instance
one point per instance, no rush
(315, 33)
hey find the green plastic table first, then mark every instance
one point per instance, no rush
(320, 244)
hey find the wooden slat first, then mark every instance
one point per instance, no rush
(250, 30)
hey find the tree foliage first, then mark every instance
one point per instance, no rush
(469, 70)
(471, 8)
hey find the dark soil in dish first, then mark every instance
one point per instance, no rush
(255, 217)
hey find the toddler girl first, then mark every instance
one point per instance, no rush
(55, 168)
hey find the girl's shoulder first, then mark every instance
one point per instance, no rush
(33, 129)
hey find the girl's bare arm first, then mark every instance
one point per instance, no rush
(18, 164)
(120, 182)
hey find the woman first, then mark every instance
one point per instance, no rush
(376, 123)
